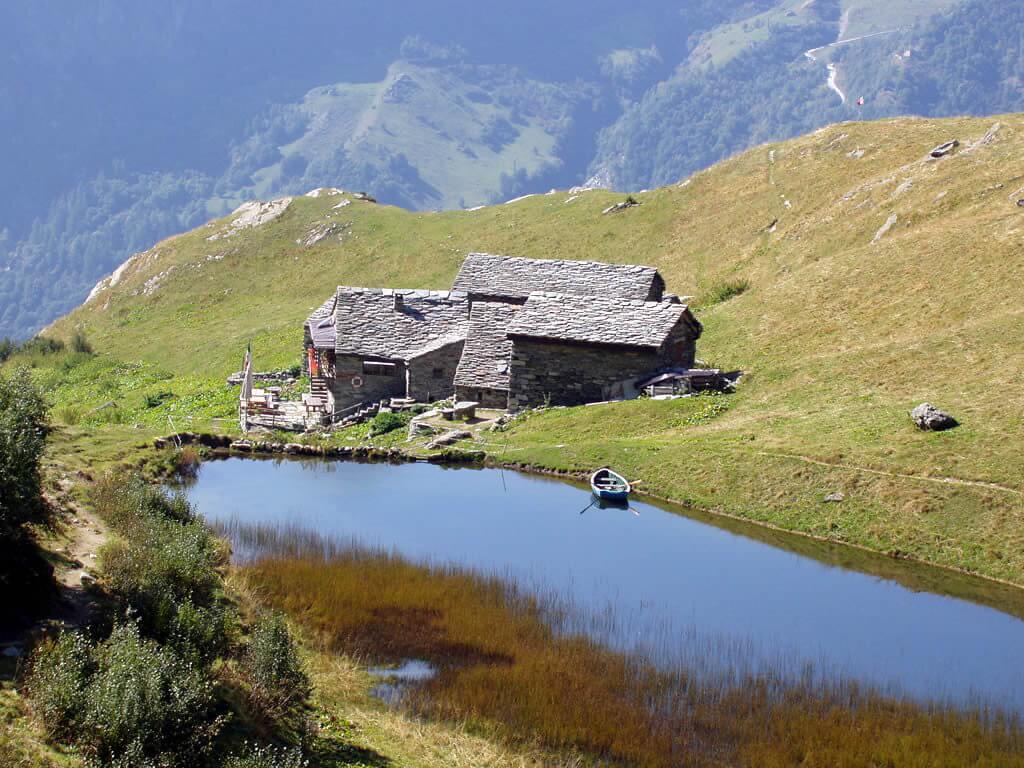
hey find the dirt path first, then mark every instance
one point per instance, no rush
(883, 473)
(85, 535)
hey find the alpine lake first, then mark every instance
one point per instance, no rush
(664, 584)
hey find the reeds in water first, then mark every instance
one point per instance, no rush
(518, 665)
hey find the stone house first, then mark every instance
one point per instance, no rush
(513, 333)
(366, 345)
(570, 350)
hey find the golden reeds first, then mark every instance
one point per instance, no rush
(505, 667)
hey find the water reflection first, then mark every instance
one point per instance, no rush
(662, 583)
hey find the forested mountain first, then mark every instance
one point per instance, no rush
(122, 122)
(967, 60)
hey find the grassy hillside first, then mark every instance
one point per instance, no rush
(844, 327)
(425, 137)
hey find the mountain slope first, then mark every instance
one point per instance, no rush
(800, 65)
(494, 103)
(427, 136)
(878, 278)
(197, 89)
(438, 134)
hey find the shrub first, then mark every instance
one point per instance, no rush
(69, 414)
(126, 701)
(157, 399)
(725, 290)
(201, 634)
(273, 668)
(125, 500)
(41, 345)
(7, 348)
(57, 680)
(254, 756)
(164, 566)
(145, 701)
(386, 421)
(23, 429)
(80, 344)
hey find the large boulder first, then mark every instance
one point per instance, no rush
(931, 419)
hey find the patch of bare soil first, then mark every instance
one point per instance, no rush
(75, 566)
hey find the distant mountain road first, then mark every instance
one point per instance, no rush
(833, 72)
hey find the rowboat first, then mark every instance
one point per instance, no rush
(609, 485)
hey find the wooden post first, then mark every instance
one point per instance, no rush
(246, 394)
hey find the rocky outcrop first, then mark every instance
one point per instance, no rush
(889, 224)
(321, 232)
(930, 419)
(254, 214)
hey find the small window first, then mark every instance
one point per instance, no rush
(437, 373)
(379, 369)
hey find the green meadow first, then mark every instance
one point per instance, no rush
(841, 328)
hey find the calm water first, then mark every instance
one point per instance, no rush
(668, 579)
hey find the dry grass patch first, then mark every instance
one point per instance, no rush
(504, 672)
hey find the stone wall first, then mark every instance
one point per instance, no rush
(432, 375)
(373, 387)
(573, 374)
(488, 398)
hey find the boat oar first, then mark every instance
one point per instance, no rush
(588, 506)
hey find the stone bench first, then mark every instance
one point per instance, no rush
(465, 409)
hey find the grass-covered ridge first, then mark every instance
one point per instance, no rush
(842, 327)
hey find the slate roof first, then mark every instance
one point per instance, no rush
(321, 325)
(585, 319)
(514, 278)
(371, 322)
(485, 358)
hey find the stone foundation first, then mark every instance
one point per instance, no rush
(488, 398)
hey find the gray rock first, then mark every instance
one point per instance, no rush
(929, 418)
(449, 438)
(835, 498)
(889, 224)
(629, 202)
(421, 428)
(945, 149)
